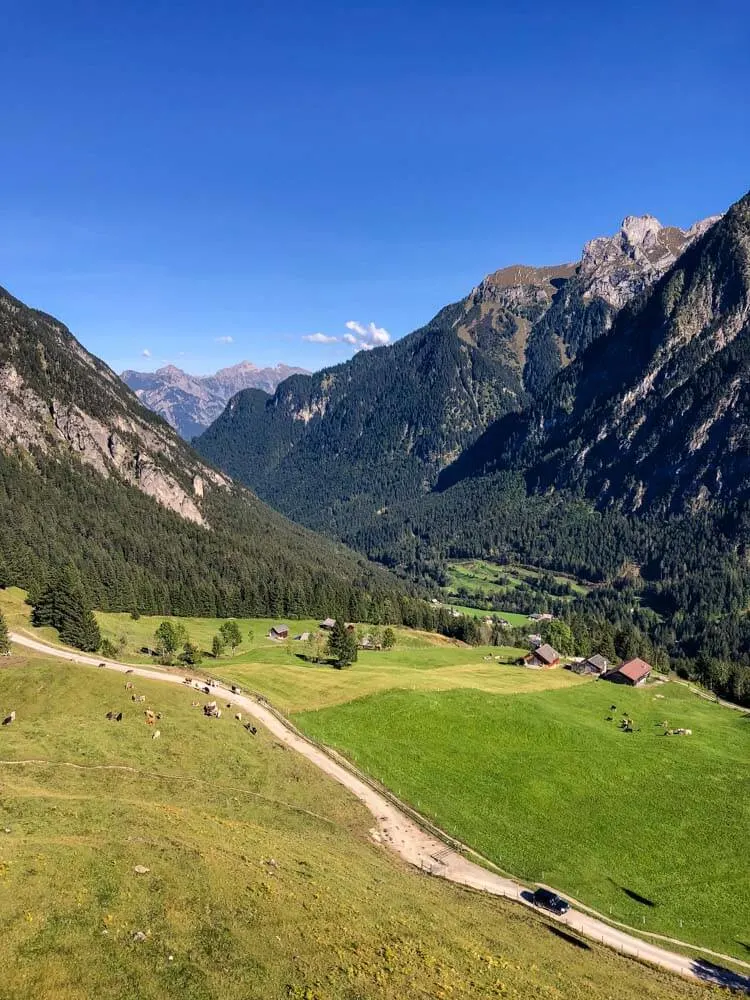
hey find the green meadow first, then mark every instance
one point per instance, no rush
(523, 765)
(420, 661)
(650, 829)
(261, 879)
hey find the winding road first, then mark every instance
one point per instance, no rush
(422, 850)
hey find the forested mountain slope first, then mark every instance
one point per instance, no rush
(333, 448)
(656, 414)
(339, 443)
(89, 476)
(190, 403)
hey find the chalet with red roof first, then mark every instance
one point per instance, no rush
(633, 672)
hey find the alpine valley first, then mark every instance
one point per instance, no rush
(331, 449)
(588, 418)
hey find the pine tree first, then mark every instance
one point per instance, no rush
(342, 645)
(4, 639)
(62, 606)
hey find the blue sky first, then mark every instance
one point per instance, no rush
(212, 182)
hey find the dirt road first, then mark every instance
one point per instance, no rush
(416, 846)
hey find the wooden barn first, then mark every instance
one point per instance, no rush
(279, 632)
(596, 664)
(543, 656)
(633, 672)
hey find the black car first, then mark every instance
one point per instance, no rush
(550, 901)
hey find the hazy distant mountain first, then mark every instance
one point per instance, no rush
(332, 448)
(191, 402)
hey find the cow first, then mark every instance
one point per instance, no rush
(9, 718)
(156, 735)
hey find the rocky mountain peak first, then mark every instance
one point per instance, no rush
(639, 231)
(190, 403)
(617, 268)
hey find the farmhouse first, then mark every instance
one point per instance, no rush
(369, 642)
(596, 664)
(279, 632)
(633, 672)
(327, 624)
(544, 656)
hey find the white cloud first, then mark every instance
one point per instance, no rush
(320, 338)
(370, 335)
(362, 337)
(145, 353)
(379, 334)
(224, 340)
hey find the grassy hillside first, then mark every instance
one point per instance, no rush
(263, 882)
(421, 661)
(546, 787)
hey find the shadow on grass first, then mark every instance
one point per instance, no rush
(719, 976)
(566, 936)
(632, 894)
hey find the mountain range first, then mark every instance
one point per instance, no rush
(190, 403)
(333, 448)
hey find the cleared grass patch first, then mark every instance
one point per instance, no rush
(512, 617)
(478, 580)
(649, 828)
(262, 883)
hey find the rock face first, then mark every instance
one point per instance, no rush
(618, 268)
(57, 398)
(190, 403)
